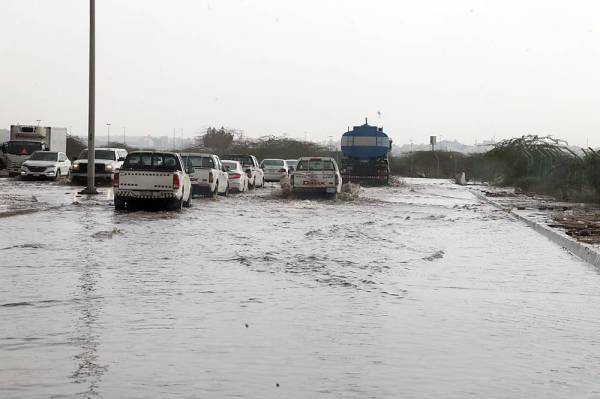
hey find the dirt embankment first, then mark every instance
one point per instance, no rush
(580, 221)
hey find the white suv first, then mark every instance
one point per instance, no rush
(50, 164)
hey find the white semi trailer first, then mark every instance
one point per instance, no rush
(26, 139)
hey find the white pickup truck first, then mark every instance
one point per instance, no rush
(158, 177)
(207, 174)
(256, 176)
(318, 175)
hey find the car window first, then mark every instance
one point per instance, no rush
(273, 162)
(198, 161)
(44, 156)
(302, 165)
(230, 166)
(99, 154)
(151, 161)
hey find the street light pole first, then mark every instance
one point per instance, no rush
(108, 133)
(91, 172)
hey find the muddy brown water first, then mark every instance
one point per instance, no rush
(415, 292)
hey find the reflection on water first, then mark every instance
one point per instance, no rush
(88, 372)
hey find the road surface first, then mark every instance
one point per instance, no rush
(418, 291)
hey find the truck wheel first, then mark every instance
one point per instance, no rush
(188, 203)
(216, 191)
(226, 192)
(119, 203)
(175, 204)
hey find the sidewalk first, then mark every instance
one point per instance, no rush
(575, 227)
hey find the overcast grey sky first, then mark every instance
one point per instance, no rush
(465, 69)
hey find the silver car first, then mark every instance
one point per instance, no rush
(274, 169)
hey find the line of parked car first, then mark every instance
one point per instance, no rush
(175, 178)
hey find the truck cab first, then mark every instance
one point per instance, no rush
(27, 139)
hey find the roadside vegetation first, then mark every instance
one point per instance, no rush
(540, 164)
(227, 141)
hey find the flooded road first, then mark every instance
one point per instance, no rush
(418, 291)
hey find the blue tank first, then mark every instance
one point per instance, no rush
(365, 142)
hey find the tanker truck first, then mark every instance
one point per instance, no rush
(26, 139)
(365, 155)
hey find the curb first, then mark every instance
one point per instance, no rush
(18, 212)
(575, 247)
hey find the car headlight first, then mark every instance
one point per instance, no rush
(75, 166)
(108, 168)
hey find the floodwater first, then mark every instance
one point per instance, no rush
(418, 291)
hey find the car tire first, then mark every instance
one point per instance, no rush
(188, 203)
(215, 193)
(251, 185)
(175, 204)
(57, 174)
(226, 192)
(119, 203)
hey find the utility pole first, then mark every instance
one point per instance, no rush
(108, 135)
(91, 172)
(412, 156)
(123, 135)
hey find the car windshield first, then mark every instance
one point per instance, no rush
(315, 164)
(44, 156)
(199, 161)
(230, 166)
(245, 160)
(99, 154)
(149, 160)
(273, 162)
(292, 162)
(23, 147)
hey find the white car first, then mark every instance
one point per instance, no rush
(50, 164)
(274, 169)
(107, 162)
(256, 176)
(319, 175)
(158, 177)
(238, 180)
(207, 174)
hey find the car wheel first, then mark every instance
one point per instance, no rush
(216, 191)
(119, 203)
(224, 193)
(188, 203)
(251, 185)
(57, 175)
(176, 204)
